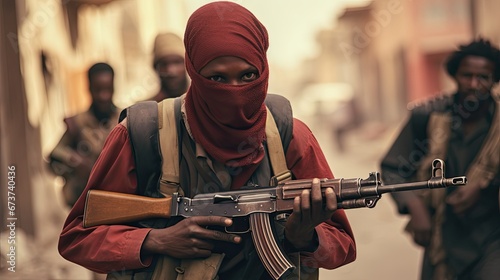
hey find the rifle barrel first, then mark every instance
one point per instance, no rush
(430, 184)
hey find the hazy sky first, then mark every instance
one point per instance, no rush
(291, 24)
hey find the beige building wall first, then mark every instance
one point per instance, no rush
(392, 51)
(54, 76)
(391, 26)
(120, 33)
(486, 22)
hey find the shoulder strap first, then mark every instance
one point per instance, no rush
(279, 129)
(169, 114)
(276, 153)
(168, 141)
(142, 124)
(281, 110)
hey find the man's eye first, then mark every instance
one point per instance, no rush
(485, 77)
(250, 76)
(466, 75)
(218, 79)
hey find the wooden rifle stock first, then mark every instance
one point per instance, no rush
(111, 208)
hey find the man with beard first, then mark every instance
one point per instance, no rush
(168, 63)
(458, 227)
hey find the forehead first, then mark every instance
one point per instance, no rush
(476, 63)
(103, 76)
(225, 63)
(169, 58)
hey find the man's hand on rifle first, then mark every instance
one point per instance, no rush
(189, 238)
(309, 210)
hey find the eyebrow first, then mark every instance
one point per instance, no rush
(215, 72)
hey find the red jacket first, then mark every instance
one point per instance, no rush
(114, 248)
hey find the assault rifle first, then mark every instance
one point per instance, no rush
(106, 208)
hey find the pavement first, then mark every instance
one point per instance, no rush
(37, 257)
(384, 251)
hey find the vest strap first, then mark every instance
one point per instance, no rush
(168, 142)
(276, 153)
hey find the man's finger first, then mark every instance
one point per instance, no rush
(204, 221)
(202, 244)
(202, 253)
(316, 198)
(222, 236)
(331, 200)
(305, 204)
(296, 207)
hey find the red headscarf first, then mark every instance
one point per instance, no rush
(227, 120)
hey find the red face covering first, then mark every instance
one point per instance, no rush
(227, 120)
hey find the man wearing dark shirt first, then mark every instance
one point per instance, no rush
(458, 227)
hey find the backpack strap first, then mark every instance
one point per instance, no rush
(169, 114)
(281, 110)
(276, 152)
(279, 129)
(142, 124)
(168, 141)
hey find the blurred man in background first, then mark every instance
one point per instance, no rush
(168, 62)
(81, 144)
(458, 227)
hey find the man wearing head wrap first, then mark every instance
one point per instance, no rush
(168, 63)
(223, 118)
